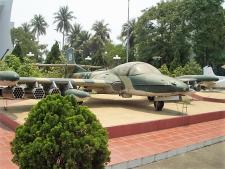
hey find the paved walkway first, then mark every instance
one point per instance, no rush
(6, 136)
(210, 157)
(130, 151)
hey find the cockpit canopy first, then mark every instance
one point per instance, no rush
(134, 68)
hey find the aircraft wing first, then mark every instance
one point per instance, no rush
(67, 65)
(187, 79)
(198, 78)
(64, 81)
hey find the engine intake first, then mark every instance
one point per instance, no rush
(38, 93)
(18, 92)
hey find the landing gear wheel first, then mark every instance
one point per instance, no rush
(80, 103)
(151, 98)
(158, 105)
(197, 88)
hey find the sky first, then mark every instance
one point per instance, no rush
(113, 12)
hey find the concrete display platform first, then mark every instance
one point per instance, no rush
(112, 110)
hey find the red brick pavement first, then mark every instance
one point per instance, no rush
(136, 146)
(6, 136)
(147, 144)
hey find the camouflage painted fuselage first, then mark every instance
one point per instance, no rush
(135, 78)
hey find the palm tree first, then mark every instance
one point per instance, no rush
(99, 41)
(123, 36)
(78, 39)
(101, 30)
(63, 18)
(85, 36)
(125, 29)
(39, 25)
(26, 27)
(74, 35)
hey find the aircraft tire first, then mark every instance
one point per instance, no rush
(197, 88)
(158, 105)
(151, 98)
(80, 102)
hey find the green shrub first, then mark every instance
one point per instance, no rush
(60, 134)
(164, 70)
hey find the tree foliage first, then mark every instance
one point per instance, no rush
(177, 30)
(206, 20)
(164, 70)
(28, 69)
(4, 66)
(26, 27)
(39, 25)
(24, 68)
(99, 41)
(13, 62)
(17, 51)
(190, 68)
(79, 40)
(27, 42)
(60, 134)
(54, 54)
(128, 29)
(161, 31)
(63, 18)
(111, 51)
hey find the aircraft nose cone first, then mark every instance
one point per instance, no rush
(182, 86)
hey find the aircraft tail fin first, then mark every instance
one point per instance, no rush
(207, 70)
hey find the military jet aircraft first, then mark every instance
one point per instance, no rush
(198, 82)
(220, 83)
(133, 78)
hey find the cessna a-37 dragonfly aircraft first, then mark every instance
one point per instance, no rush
(132, 78)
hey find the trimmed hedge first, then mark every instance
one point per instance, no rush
(58, 134)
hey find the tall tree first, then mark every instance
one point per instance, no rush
(124, 37)
(78, 39)
(162, 31)
(39, 25)
(26, 27)
(74, 36)
(98, 41)
(54, 54)
(101, 30)
(63, 18)
(17, 51)
(206, 20)
(27, 42)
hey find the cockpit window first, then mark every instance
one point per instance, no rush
(142, 68)
(134, 68)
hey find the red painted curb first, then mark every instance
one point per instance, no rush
(8, 122)
(208, 99)
(138, 128)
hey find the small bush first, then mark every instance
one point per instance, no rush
(60, 134)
